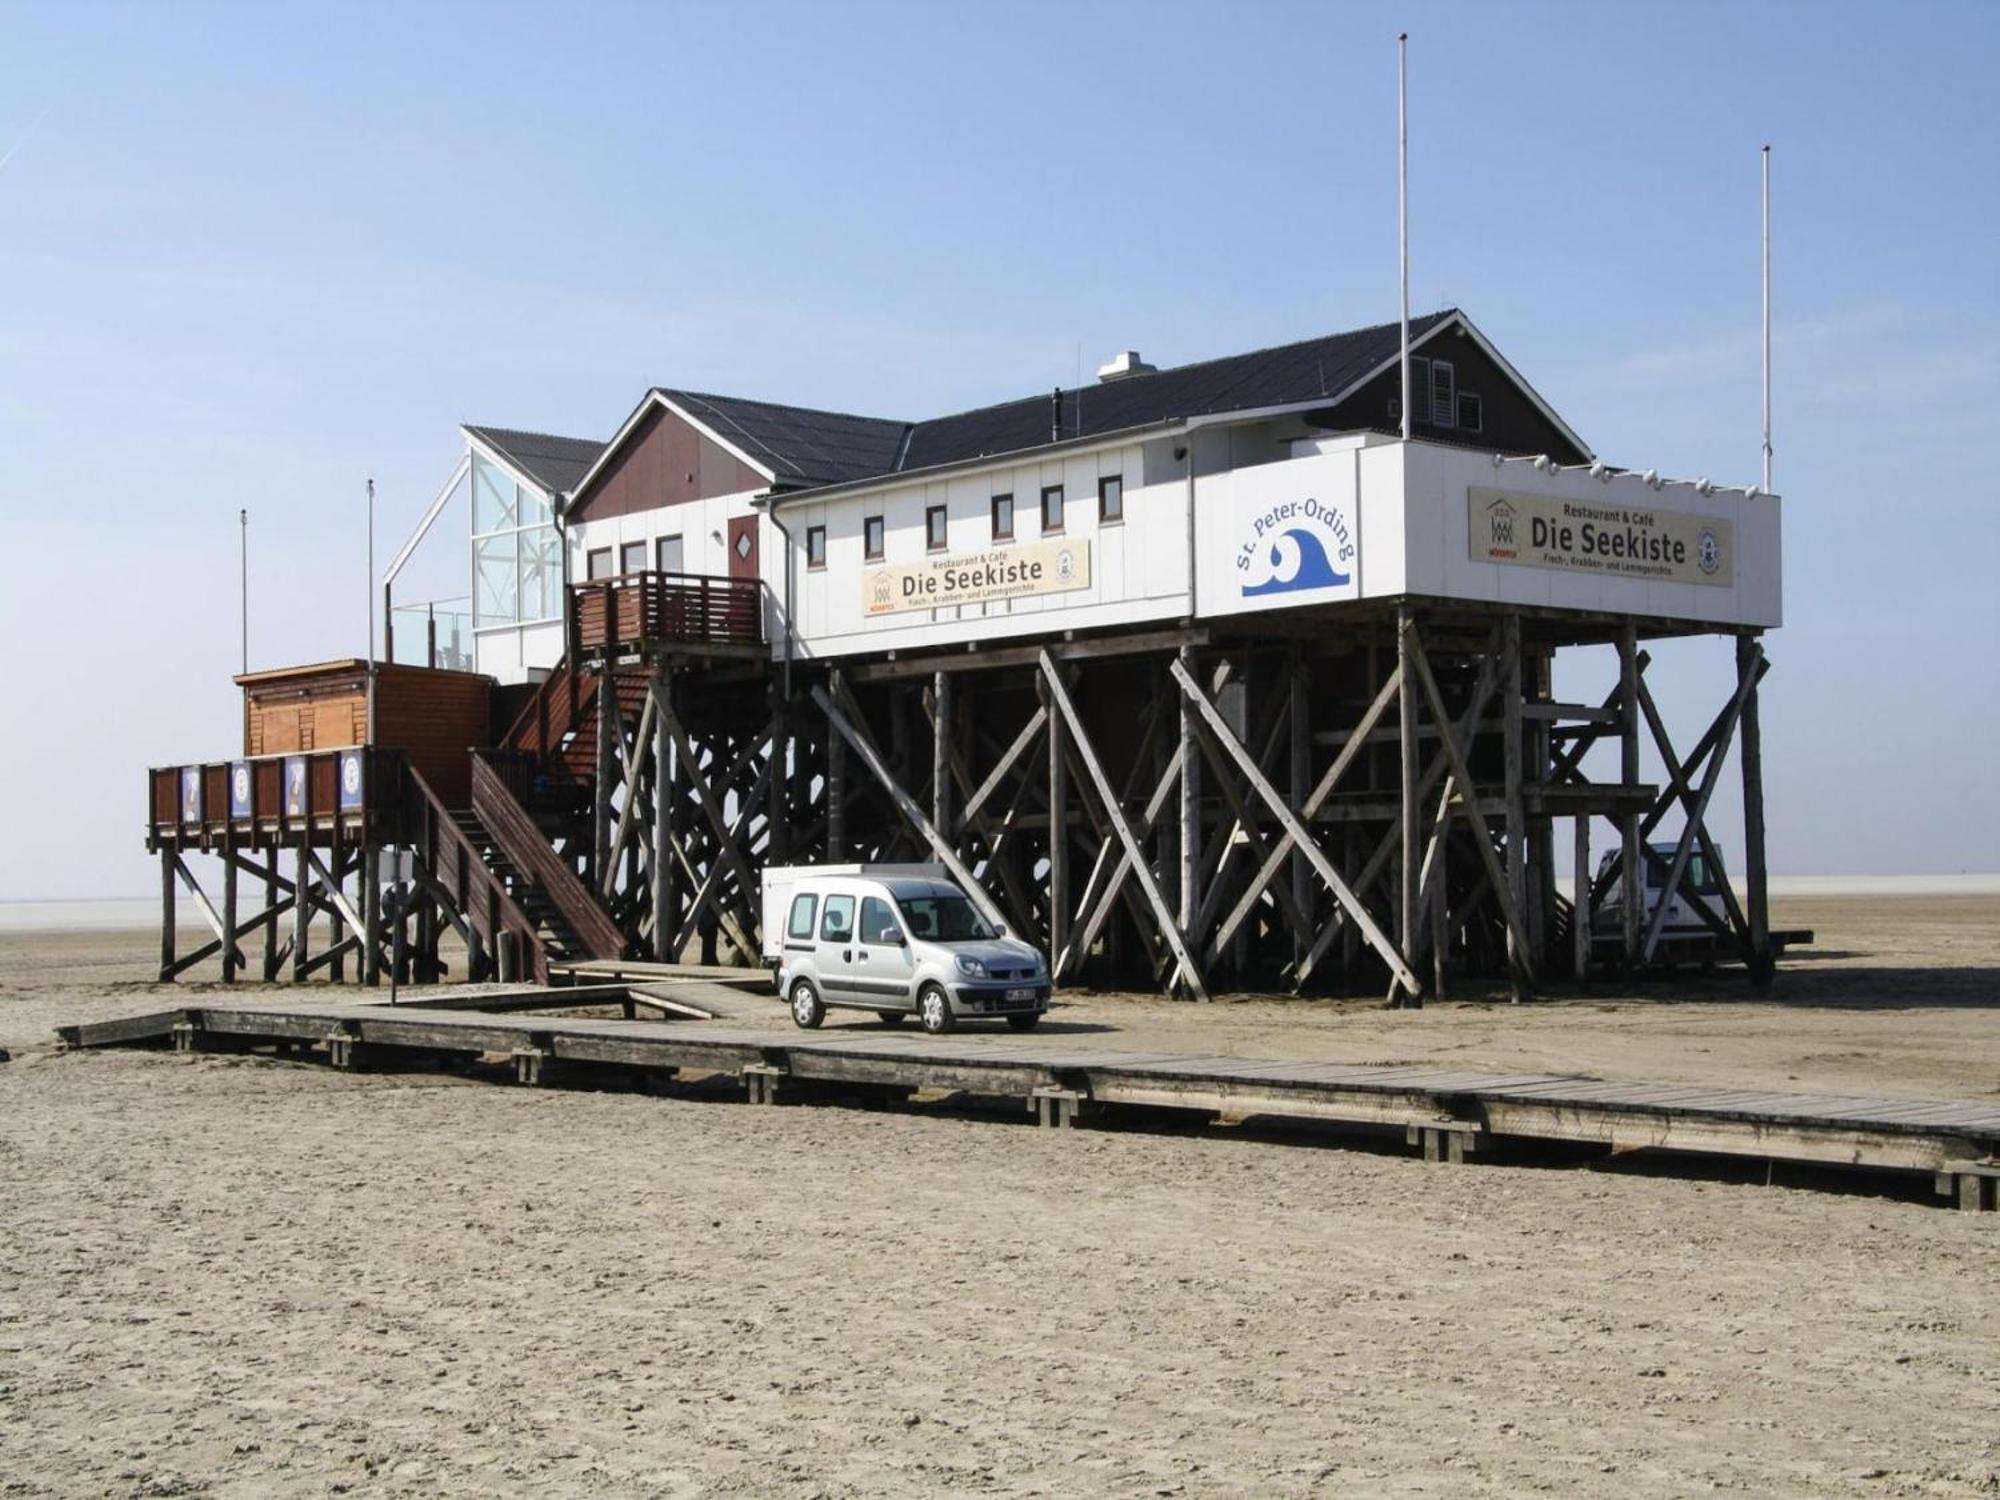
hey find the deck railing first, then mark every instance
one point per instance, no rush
(263, 799)
(609, 615)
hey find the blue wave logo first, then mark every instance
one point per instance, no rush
(1298, 561)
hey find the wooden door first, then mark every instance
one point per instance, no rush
(743, 547)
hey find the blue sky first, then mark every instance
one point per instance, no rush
(254, 255)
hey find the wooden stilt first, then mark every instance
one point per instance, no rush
(1628, 764)
(1299, 716)
(371, 915)
(836, 788)
(168, 887)
(231, 958)
(302, 909)
(1755, 873)
(1190, 837)
(1411, 810)
(1511, 690)
(271, 883)
(666, 916)
(941, 739)
(1058, 835)
(608, 733)
(1580, 912)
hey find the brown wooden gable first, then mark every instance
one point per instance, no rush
(664, 461)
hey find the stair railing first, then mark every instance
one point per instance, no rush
(516, 835)
(453, 865)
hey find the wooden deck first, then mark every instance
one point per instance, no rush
(1448, 1112)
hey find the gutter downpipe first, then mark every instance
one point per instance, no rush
(785, 661)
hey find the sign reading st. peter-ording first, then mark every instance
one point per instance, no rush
(1584, 536)
(1049, 567)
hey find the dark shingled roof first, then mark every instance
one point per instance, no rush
(1238, 382)
(808, 449)
(555, 463)
(802, 447)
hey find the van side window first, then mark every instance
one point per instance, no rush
(877, 921)
(837, 921)
(804, 908)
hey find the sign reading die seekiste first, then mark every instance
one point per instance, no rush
(1585, 536)
(1052, 567)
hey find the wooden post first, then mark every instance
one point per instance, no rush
(778, 847)
(168, 885)
(1440, 906)
(666, 902)
(941, 732)
(1300, 714)
(371, 915)
(1058, 830)
(1190, 838)
(270, 901)
(229, 953)
(836, 789)
(1628, 752)
(1755, 874)
(333, 880)
(1517, 825)
(1579, 917)
(301, 906)
(1410, 810)
(607, 773)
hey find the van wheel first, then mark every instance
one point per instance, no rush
(891, 1017)
(1025, 1023)
(934, 1009)
(807, 1008)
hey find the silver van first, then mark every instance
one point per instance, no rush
(897, 940)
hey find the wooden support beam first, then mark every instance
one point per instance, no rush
(371, 915)
(1410, 812)
(1750, 667)
(1376, 938)
(942, 720)
(845, 729)
(605, 772)
(1299, 722)
(167, 917)
(302, 909)
(665, 887)
(836, 786)
(1697, 814)
(1058, 834)
(232, 955)
(1512, 711)
(1316, 799)
(725, 833)
(202, 903)
(1190, 768)
(1482, 835)
(1580, 914)
(1059, 702)
(273, 883)
(1628, 762)
(978, 656)
(633, 764)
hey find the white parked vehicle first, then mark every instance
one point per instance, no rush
(897, 940)
(1683, 933)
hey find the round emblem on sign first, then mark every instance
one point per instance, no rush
(1065, 565)
(1708, 553)
(242, 783)
(350, 773)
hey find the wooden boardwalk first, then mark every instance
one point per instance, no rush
(1448, 1112)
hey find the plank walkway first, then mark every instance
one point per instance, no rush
(1449, 1112)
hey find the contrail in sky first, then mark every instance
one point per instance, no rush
(33, 126)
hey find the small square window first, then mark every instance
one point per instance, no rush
(1003, 518)
(597, 563)
(815, 546)
(1111, 499)
(1052, 508)
(1471, 412)
(632, 557)
(669, 555)
(934, 528)
(871, 539)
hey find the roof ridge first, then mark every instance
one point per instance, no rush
(1216, 359)
(823, 411)
(529, 432)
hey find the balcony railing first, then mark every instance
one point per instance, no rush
(637, 610)
(266, 799)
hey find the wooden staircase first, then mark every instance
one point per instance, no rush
(552, 932)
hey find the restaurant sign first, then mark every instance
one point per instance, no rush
(1590, 536)
(1051, 567)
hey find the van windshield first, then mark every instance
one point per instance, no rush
(945, 919)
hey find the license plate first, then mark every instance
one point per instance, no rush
(1020, 994)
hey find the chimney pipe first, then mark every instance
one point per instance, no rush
(1055, 415)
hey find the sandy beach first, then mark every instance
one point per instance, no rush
(243, 1277)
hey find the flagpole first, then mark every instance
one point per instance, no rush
(1403, 207)
(1767, 320)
